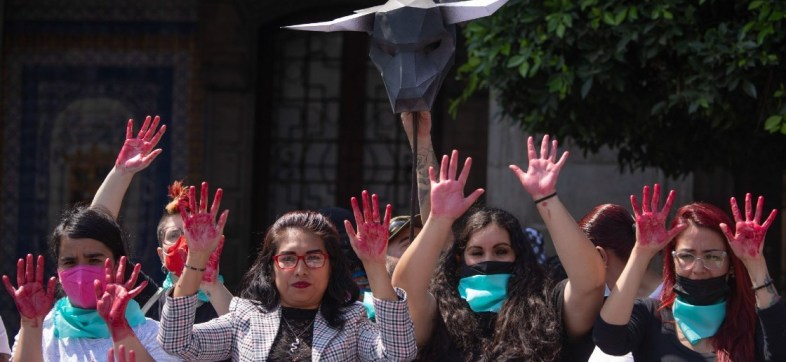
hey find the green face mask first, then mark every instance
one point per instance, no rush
(485, 285)
(698, 321)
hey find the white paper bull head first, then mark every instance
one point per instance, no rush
(413, 44)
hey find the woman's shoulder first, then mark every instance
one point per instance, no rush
(242, 307)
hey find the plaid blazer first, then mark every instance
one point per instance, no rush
(247, 332)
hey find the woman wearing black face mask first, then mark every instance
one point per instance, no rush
(490, 299)
(715, 281)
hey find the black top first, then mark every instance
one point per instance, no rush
(651, 335)
(294, 337)
(572, 350)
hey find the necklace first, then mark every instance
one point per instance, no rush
(296, 344)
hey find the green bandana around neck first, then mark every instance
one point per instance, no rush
(698, 321)
(368, 302)
(484, 293)
(169, 282)
(75, 322)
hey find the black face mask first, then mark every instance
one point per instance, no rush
(486, 268)
(703, 291)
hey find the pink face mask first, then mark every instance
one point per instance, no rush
(78, 285)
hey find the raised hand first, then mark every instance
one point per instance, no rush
(447, 194)
(370, 242)
(123, 354)
(138, 153)
(32, 301)
(747, 240)
(541, 177)
(202, 231)
(113, 296)
(651, 233)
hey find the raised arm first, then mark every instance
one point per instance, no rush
(651, 237)
(370, 243)
(414, 269)
(33, 303)
(747, 242)
(137, 153)
(583, 295)
(425, 157)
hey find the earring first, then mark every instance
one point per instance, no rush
(164, 269)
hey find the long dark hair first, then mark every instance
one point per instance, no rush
(82, 222)
(734, 340)
(527, 326)
(611, 227)
(259, 284)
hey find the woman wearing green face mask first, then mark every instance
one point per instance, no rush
(718, 301)
(490, 299)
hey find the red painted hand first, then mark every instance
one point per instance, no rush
(123, 354)
(541, 176)
(651, 233)
(748, 239)
(137, 153)
(202, 231)
(113, 299)
(32, 301)
(370, 242)
(447, 194)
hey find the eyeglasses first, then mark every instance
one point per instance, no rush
(712, 260)
(289, 261)
(172, 234)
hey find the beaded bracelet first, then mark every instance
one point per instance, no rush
(544, 198)
(193, 268)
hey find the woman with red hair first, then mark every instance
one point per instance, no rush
(719, 302)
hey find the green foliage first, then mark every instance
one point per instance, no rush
(680, 85)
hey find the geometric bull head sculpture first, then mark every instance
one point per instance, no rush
(413, 44)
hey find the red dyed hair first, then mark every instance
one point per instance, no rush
(734, 340)
(611, 227)
(177, 191)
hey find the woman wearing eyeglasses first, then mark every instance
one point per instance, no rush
(718, 303)
(298, 298)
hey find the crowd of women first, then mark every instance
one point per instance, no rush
(468, 287)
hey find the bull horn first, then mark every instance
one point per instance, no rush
(461, 11)
(355, 22)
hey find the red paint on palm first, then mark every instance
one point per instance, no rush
(113, 299)
(749, 233)
(371, 239)
(447, 193)
(651, 229)
(137, 152)
(32, 300)
(201, 229)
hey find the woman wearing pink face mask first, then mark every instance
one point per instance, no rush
(98, 311)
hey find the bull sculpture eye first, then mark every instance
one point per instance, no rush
(430, 47)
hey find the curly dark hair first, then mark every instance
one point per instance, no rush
(259, 284)
(526, 328)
